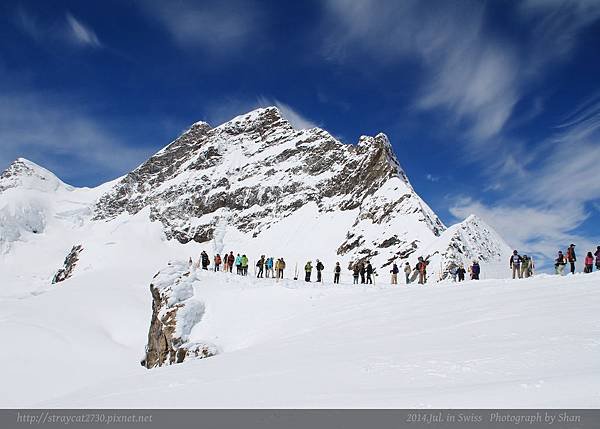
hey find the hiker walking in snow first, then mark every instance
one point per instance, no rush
(308, 271)
(460, 272)
(515, 264)
(475, 270)
(269, 266)
(238, 264)
(362, 272)
(571, 257)
(559, 264)
(355, 273)
(261, 266)
(394, 272)
(336, 273)
(369, 271)
(225, 263)
(277, 267)
(407, 271)
(281, 268)
(597, 255)
(217, 262)
(589, 263)
(244, 265)
(205, 260)
(320, 268)
(230, 261)
(525, 266)
(422, 268)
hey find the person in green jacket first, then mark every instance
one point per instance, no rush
(244, 265)
(308, 271)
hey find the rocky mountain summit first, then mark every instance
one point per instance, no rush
(255, 184)
(256, 170)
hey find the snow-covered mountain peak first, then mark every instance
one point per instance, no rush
(27, 174)
(256, 120)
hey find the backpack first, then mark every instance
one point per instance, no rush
(476, 269)
(320, 266)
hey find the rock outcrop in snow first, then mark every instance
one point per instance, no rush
(69, 265)
(174, 313)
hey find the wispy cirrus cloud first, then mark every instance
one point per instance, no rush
(219, 28)
(81, 34)
(67, 30)
(58, 135)
(469, 71)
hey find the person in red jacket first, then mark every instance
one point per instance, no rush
(589, 263)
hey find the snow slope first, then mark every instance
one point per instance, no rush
(289, 344)
(494, 343)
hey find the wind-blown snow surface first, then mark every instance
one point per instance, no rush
(492, 343)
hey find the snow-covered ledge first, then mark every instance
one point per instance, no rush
(174, 314)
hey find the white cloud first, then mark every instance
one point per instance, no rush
(469, 71)
(297, 120)
(432, 178)
(541, 231)
(221, 28)
(465, 71)
(223, 110)
(545, 204)
(81, 34)
(68, 31)
(61, 136)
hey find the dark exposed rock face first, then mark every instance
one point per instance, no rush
(69, 265)
(174, 314)
(256, 170)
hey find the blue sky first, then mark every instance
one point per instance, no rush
(493, 107)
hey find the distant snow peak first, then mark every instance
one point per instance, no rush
(28, 175)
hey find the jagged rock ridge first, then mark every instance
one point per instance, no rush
(256, 170)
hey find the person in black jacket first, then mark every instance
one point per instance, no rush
(369, 270)
(515, 264)
(597, 255)
(336, 273)
(461, 273)
(559, 263)
(362, 273)
(320, 268)
(205, 260)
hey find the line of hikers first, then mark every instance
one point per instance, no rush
(588, 263)
(522, 266)
(267, 267)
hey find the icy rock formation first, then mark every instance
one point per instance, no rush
(69, 265)
(174, 313)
